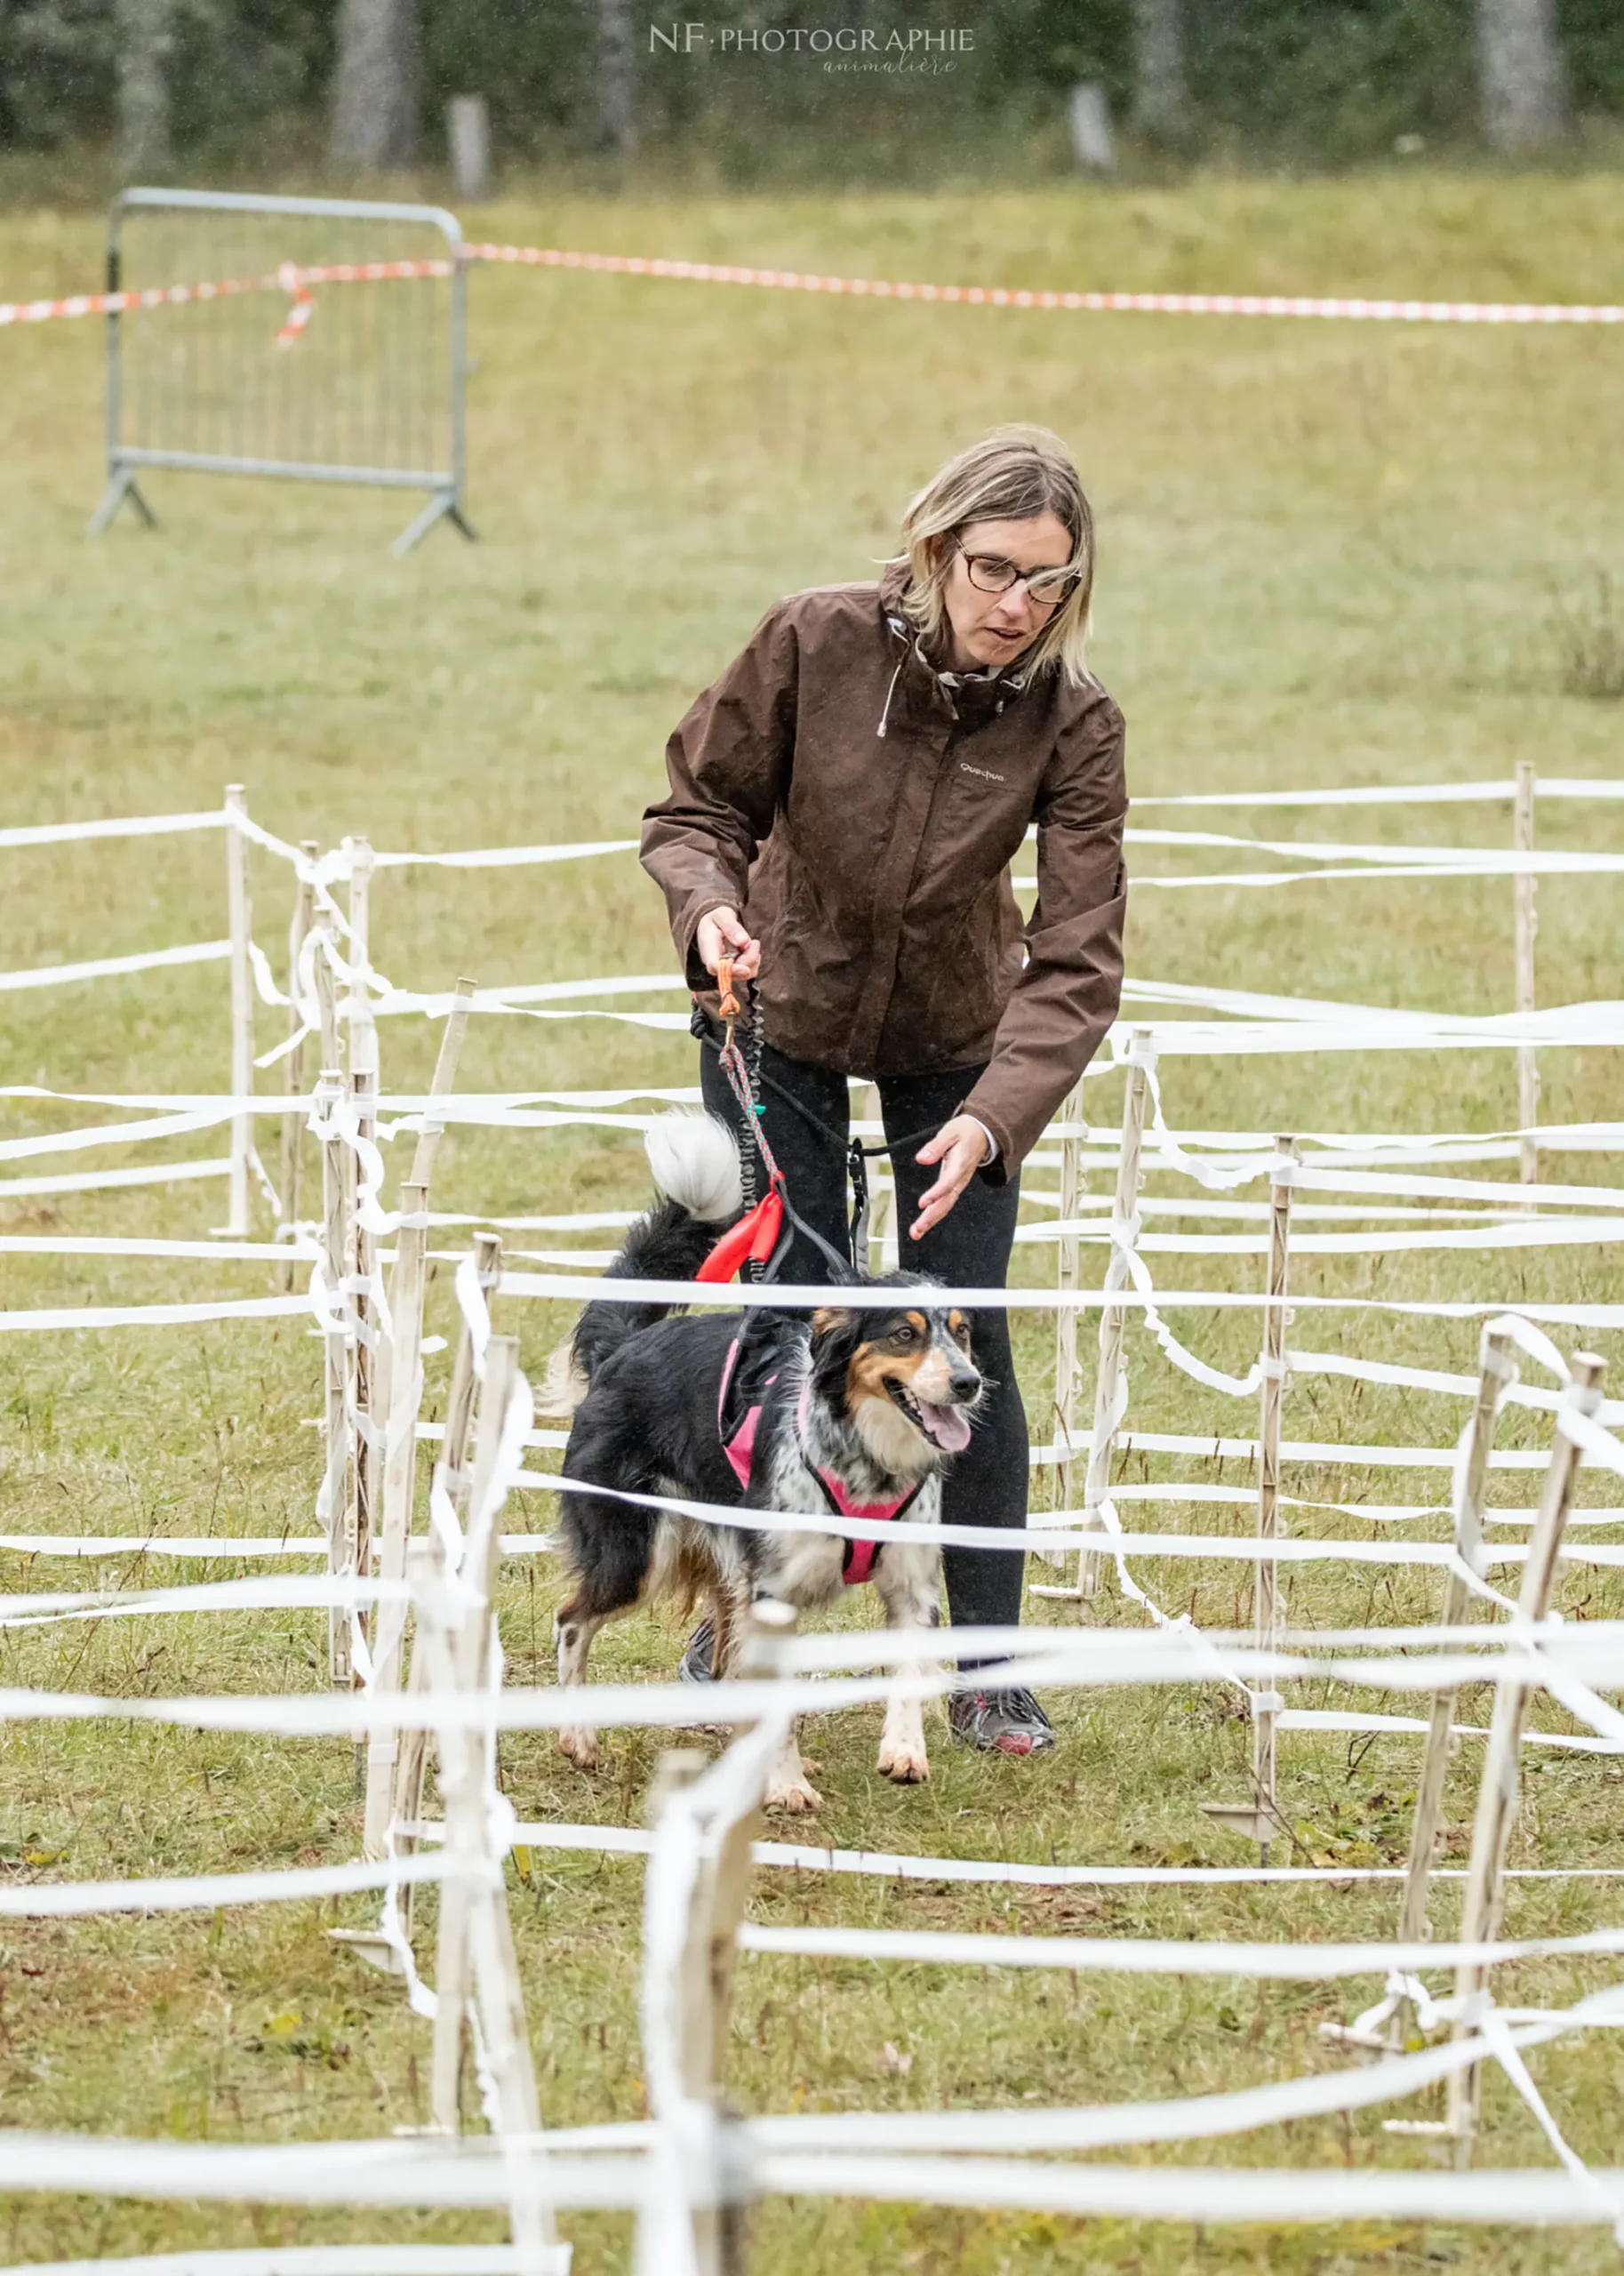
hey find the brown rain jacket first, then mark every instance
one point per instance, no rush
(860, 809)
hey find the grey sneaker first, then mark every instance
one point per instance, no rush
(1000, 1722)
(694, 1666)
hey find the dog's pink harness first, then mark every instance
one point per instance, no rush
(858, 1564)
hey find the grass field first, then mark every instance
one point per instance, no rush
(1328, 555)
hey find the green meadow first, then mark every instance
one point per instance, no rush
(1330, 555)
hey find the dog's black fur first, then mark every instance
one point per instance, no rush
(888, 1397)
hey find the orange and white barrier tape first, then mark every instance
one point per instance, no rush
(286, 279)
(1333, 308)
(302, 304)
(1003, 296)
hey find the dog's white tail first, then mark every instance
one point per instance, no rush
(696, 1164)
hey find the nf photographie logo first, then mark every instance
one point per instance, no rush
(845, 47)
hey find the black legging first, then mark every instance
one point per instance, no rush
(970, 1248)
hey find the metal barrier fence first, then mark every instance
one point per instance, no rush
(327, 342)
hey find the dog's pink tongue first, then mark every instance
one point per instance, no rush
(947, 1426)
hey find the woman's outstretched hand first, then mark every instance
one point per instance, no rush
(721, 934)
(961, 1147)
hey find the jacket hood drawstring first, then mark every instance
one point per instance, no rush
(889, 692)
(949, 681)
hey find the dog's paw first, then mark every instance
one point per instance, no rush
(796, 1797)
(905, 1765)
(580, 1747)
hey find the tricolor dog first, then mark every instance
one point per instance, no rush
(852, 1414)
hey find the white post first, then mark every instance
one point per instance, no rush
(364, 1405)
(293, 1064)
(1260, 1818)
(1497, 1372)
(1497, 1795)
(240, 922)
(476, 1951)
(358, 1002)
(399, 1475)
(337, 1500)
(1109, 1387)
(1527, 926)
(694, 1896)
(459, 1768)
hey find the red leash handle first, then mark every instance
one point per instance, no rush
(753, 1238)
(730, 1006)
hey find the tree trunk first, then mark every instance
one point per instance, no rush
(374, 84)
(1159, 87)
(1521, 77)
(617, 76)
(145, 33)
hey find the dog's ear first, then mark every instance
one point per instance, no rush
(835, 1335)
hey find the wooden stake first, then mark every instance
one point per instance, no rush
(330, 1093)
(240, 917)
(450, 1474)
(327, 1010)
(293, 1061)
(1498, 1793)
(362, 1034)
(1113, 1318)
(1527, 926)
(1066, 1318)
(1260, 1817)
(406, 1290)
(470, 1651)
(1497, 1371)
(444, 1082)
(364, 1471)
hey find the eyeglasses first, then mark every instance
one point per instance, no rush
(1046, 588)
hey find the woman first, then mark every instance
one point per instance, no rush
(845, 802)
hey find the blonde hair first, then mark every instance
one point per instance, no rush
(1012, 475)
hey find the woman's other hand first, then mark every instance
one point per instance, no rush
(721, 934)
(961, 1147)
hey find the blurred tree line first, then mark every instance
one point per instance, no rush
(276, 85)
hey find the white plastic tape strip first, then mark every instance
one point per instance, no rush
(562, 1287)
(1317, 1719)
(292, 1592)
(1176, 1656)
(1475, 861)
(310, 2260)
(19, 1189)
(75, 833)
(203, 1892)
(1397, 794)
(633, 1841)
(388, 2172)
(1183, 2118)
(105, 1133)
(1523, 1233)
(1269, 1963)
(205, 1548)
(57, 976)
(76, 1316)
(117, 1245)
(1161, 2192)
(505, 857)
